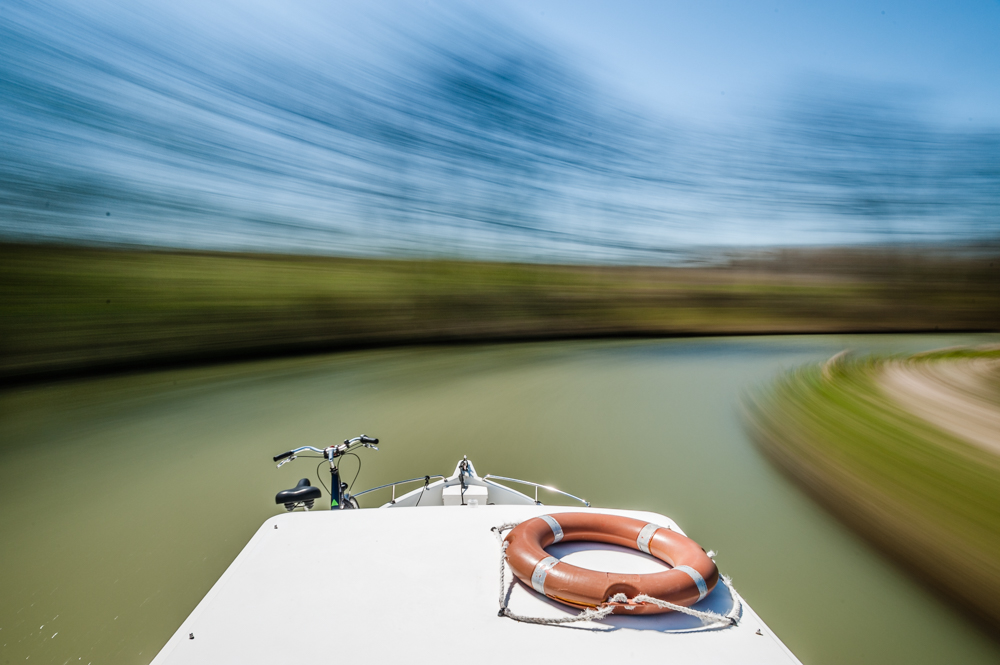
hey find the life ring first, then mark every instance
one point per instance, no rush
(692, 577)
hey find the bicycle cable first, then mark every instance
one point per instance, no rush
(319, 477)
(357, 473)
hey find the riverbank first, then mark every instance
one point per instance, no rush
(68, 310)
(904, 450)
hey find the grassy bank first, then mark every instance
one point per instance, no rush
(926, 496)
(66, 309)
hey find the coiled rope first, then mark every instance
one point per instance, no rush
(710, 620)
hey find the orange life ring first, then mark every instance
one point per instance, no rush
(692, 577)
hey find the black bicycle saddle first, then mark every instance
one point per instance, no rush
(303, 491)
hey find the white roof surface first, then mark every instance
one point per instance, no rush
(422, 585)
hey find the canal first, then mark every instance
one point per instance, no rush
(124, 498)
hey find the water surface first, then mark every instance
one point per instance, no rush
(124, 499)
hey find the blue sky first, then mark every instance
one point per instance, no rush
(718, 60)
(543, 130)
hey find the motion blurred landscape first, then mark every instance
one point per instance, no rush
(187, 186)
(425, 142)
(71, 309)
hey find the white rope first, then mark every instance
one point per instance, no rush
(506, 526)
(710, 620)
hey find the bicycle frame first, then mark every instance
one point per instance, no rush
(336, 489)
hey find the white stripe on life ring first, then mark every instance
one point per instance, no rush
(696, 576)
(554, 525)
(542, 569)
(645, 536)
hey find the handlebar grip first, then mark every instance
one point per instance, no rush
(283, 456)
(368, 439)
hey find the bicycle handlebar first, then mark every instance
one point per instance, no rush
(331, 452)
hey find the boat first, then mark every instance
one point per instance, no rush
(432, 582)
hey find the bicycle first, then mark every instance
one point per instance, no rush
(304, 494)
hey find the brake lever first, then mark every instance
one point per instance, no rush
(285, 461)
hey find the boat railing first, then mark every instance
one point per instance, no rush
(537, 486)
(422, 479)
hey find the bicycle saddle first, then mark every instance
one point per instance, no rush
(303, 492)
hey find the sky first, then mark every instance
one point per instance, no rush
(539, 131)
(720, 60)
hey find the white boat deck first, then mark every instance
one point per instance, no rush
(421, 585)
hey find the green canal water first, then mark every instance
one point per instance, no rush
(123, 499)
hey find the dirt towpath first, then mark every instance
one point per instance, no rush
(959, 396)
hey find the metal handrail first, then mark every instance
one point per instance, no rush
(425, 479)
(489, 476)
